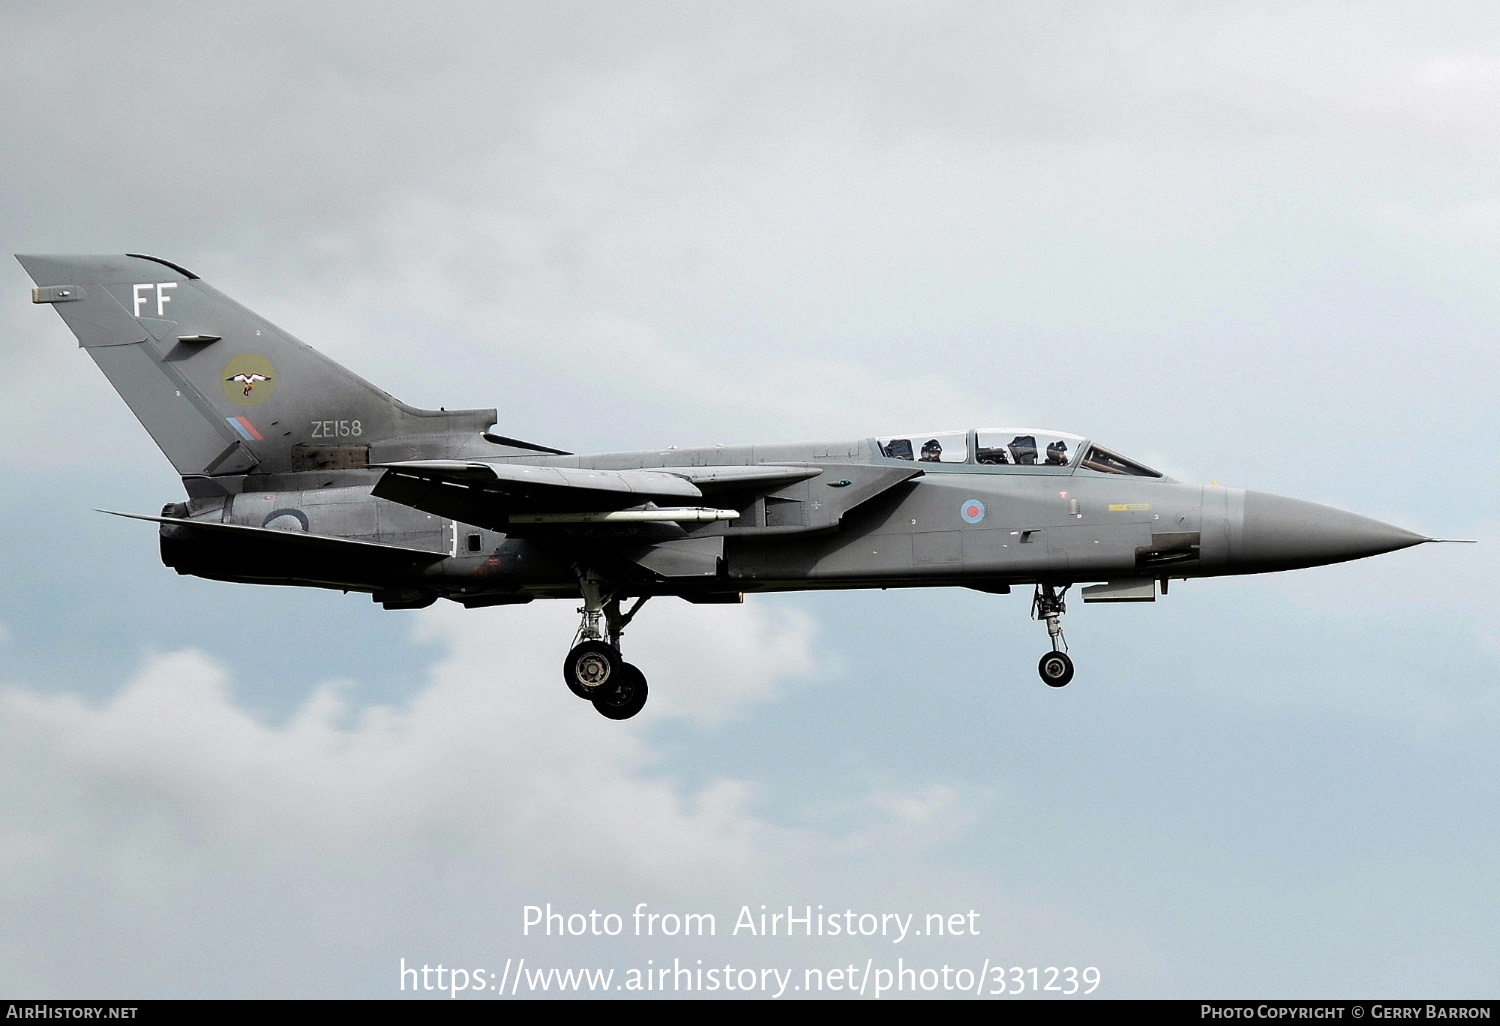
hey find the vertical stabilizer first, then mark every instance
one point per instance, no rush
(221, 390)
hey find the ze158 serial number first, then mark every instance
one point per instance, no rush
(337, 429)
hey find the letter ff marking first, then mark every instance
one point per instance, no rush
(162, 299)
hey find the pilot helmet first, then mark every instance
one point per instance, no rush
(931, 449)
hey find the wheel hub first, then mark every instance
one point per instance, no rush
(592, 670)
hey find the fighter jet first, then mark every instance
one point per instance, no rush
(299, 472)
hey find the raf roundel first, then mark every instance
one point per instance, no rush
(972, 511)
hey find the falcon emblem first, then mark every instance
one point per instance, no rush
(248, 380)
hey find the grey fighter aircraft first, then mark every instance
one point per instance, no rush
(299, 472)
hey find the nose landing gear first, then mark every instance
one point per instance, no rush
(594, 670)
(1055, 668)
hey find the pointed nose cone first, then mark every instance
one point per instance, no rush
(1282, 534)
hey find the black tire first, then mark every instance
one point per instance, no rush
(624, 696)
(1056, 669)
(589, 667)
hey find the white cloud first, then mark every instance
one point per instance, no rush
(493, 753)
(937, 813)
(705, 662)
(170, 810)
(1454, 90)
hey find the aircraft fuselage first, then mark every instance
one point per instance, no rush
(300, 472)
(987, 527)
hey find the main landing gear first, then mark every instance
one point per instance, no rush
(594, 669)
(1055, 668)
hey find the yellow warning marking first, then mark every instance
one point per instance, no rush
(1128, 507)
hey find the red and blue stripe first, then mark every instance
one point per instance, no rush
(246, 429)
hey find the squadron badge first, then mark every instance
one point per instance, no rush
(249, 380)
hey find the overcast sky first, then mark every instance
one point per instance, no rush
(1252, 246)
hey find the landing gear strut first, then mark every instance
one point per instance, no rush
(594, 670)
(1055, 668)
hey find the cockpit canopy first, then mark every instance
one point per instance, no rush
(1011, 447)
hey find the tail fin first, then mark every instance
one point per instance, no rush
(224, 392)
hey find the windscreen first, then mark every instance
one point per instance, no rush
(1107, 462)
